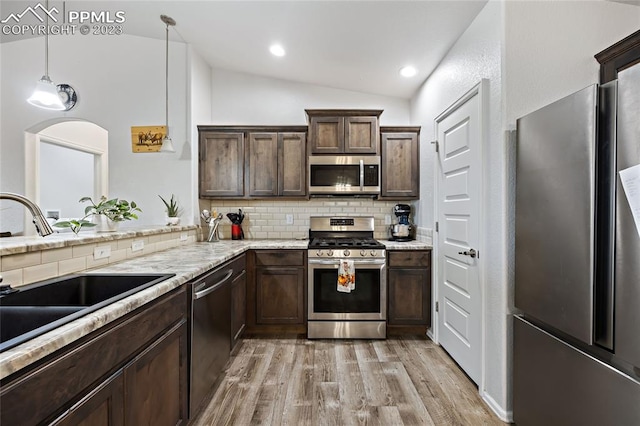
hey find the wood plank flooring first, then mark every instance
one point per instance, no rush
(294, 381)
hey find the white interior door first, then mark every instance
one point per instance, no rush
(459, 136)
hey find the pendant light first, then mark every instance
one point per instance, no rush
(167, 144)
(45, 94)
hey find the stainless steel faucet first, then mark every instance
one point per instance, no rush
(42, 226)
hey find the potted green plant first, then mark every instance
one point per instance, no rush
(109, 213)
(75, 224)
(173, 210)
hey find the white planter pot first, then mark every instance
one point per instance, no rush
(104, 224)
(172, 221)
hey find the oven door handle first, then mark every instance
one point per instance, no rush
(356, 263)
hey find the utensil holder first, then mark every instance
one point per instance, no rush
(236, 232)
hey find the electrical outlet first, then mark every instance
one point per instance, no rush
(289, 219)
(387, 219)
(183, 236)
(101, 252)
(137, 245)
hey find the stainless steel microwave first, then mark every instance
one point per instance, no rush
(344, 175)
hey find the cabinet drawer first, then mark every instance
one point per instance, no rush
(417, 258)
(30, 400)
(279, 258)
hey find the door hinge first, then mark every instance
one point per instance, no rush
(436, 144)
(437, 307)
(437, 227)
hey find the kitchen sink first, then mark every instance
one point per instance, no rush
(18, 320)
(38, 308)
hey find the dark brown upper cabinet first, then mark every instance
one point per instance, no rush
(221, 164)
(252, 161)
(618, 57)
(334, 131)
(277, 164)
(400, 147)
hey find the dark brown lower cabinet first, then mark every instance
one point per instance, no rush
(276, 291)
(156, 382)
(104, 406)
(130, 372)
(409, 283)
(280, 295)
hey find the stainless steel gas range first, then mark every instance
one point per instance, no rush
(337, 243)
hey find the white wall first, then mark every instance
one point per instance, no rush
(120, 83)
(247, 99)
(550, 46)
(200, 113)
(57, 178)
(475, 56)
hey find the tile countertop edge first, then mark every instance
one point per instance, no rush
(194, 260)
(16, 245)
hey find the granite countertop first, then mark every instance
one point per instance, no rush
(15, 245)
(186, 262)
(405, 245)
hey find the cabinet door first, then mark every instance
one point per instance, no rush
(326, 135)
(104, 406)
(221, 164)
(156, 381)
(238, 306)
(280, 294)
(361, 135)
(400, 170)
(292, 159)
(263, 164)
(409, 296)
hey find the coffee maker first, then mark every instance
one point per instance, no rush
(403, 230)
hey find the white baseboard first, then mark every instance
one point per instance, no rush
(504, 415)
(430, 335)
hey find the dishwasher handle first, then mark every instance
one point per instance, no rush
(204, 290)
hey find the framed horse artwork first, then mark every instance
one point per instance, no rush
(147, 138)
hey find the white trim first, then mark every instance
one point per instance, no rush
(37, 134)
(505, 416)
(480, 89)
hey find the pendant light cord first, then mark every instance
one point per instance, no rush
(166, 82)
(46, 43)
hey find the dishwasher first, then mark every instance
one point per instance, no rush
(210, 328)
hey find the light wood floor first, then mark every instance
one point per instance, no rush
(294, 381)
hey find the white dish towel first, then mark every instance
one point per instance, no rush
(346, 276)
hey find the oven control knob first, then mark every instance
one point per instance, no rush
(363, 253)
(346, 253)
(319, 253)
(373, 253)
(330, 252)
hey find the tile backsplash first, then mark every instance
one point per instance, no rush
(266, 219)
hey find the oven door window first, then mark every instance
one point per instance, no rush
(342, 176)
(364, 299)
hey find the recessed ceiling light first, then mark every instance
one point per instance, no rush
(408, 71)
(277, 50)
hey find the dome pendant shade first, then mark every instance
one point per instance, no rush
(167, 145)
(46, 95)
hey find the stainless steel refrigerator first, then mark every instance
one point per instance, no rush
(577, 272)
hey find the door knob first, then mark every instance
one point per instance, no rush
(472, 253)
